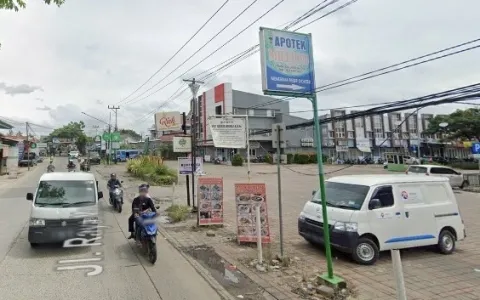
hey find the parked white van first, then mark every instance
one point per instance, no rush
(61, 207)
(371, 213)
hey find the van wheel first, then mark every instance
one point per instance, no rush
(446, 242)
(366, 252)
(465, 184)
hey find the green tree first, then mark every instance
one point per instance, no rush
(130, 133)
(462, 124)
(16, 5)
(73, 130)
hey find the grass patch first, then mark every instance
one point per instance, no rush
(178, 213)
(153, 170)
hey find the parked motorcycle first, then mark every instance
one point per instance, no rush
(217, 161)
(117, 195)
(146, 233)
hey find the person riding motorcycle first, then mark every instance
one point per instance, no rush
(71, 164)
(51, 167)
(143, 202)
(112, 182)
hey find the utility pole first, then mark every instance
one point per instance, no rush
(108, 143)
(115, 110)
(418, 137)
(194, 87)
(26, 147)
(187, 178)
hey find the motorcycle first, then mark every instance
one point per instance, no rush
(117, 200)
(146, 233)
(50, 169)
(71, 168)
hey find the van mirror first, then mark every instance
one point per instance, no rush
(374, 204)
(313, 192)
(100, 195)
(97, 184)
(30, 196)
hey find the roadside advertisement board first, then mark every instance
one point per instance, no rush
(168, 120)
(228, 132)
(210, 200)
(247, 196)
(185, 165)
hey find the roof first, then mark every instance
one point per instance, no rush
(5, 125)
(67, 176)
(371, 180)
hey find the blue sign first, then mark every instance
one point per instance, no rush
(287, 62)
(476, 148)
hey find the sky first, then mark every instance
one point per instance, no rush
(56, 63)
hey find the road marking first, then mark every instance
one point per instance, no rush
(96, 269)
(70, 261)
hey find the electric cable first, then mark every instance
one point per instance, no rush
(178, 51)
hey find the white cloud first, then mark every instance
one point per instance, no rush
(90, 54)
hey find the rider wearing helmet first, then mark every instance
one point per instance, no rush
(112, 183)
(71, 164)
(143, 202)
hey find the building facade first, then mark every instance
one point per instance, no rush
(374, 135)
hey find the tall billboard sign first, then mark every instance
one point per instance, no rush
(287, 63)
(166, 121)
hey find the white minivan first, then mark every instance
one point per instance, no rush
(62, 206)
(456, 178)
(371, 213)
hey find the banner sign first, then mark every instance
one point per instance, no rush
(228, 132)
(247, 196)
(182, 144)
(166, 121)
(185, 165)
(210, 200)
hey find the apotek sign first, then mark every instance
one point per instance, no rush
(165, 121)
(287, 62)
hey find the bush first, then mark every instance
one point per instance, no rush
(152, 170)
(289, 158)
(307, 158)
(178, 213)
(465, 165)
(237, 160)
(269, 159)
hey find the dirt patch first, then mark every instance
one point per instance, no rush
(234, 281)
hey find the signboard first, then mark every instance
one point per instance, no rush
(106, 136)
(185, 165)
(287, 62)
(42, 145)
(247, 196)
(210, 200)
(33, 146)
(98, 139)
(341, 148)
(476, 150)
(363, 145)
(115, 136)
(228, 132)
(165, 121)
(182, 144)
(115, 145)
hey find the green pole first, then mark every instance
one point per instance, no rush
(329, 276)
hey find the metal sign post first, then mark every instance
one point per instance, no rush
(279, 182)
(288, 70)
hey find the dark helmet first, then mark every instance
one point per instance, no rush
(143, 187)
(113, 175)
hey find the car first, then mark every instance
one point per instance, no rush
(370, 213)
(455, 178)
(62, 205)
(74, 154)
(410, 160)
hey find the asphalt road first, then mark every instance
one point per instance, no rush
(115, 270)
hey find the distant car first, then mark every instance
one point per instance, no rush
(74, 154)
(456, 178)
(410, 160)
(95, 160)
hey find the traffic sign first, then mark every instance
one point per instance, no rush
(115, 136)
(287, 62)
(476, 150)
(106, 136)
(33, 146)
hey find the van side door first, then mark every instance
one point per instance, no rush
(385, 220)
(419, 225)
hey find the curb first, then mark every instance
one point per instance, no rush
(222, 292)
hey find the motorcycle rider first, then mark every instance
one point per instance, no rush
(112, 182)
(51, 167)
(143, 202)
(71, 164)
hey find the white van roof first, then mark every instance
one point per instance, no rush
(371, 180)
(67, 176)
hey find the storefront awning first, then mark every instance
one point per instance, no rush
(364, 149)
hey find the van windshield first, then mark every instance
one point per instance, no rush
(66, 193)
(343, 195)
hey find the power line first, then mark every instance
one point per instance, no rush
(178, 51)
(215, 51)
(199, 49)
(383, 71)
(254, 49)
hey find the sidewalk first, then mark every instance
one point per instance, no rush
(216, 250)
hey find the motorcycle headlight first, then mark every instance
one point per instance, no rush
(346, 226)
(117, 192)
(90, 220)
(37, 222)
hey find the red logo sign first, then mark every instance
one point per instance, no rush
(168, 122)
